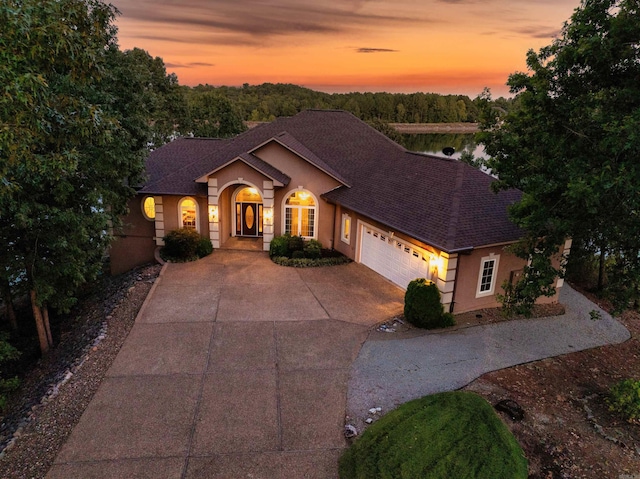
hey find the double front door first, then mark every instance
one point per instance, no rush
(248, 219)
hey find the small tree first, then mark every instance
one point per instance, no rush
(571, 144)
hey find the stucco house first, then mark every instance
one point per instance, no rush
(324, 174)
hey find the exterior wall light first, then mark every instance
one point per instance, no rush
(268, 216)
(213, 214)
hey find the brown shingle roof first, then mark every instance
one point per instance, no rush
(440, 201)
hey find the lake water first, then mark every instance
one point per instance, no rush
(433, 143)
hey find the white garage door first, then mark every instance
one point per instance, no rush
(394, 259)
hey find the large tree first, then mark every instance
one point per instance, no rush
(572, 145)
(74, 128)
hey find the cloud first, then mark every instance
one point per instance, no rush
(539, 32)
(189, 65)
(375, 50)
(255, 20)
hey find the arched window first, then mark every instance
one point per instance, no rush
(300, 214)
(149, 208)
(188, 211)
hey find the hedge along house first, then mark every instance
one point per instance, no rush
(326, 175)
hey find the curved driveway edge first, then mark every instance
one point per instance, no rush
(388, 373)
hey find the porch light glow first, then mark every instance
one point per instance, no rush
(267, 214)
(213, 214)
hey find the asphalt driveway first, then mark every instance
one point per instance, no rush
(239, 368)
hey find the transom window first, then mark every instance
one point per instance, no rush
(149, 208)
(188, 210)
(487, 275)
(300, 214)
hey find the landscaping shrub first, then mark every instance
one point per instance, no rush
(7, 353)
(310, 263)
(205, 248)
(624, 398)
(287, 250)
(447, 435)
(313, 249)
(181, 245)
(279, 246)
(422, 306)
(296, 243)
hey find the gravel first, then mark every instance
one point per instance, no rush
(56, 392)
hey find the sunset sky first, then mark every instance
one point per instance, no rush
(441, 46)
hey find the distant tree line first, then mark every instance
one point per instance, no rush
(268, 101)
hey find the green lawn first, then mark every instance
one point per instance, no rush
(448, 435)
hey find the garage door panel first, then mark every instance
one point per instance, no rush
(396, 260)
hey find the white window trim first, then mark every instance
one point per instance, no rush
(316, 209)
(490, 291)
(180, 224)
(346, 238)
(144, 213)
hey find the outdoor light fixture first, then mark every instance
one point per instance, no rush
(268, 216)
(213, 214)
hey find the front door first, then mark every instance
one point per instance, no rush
(248, 219)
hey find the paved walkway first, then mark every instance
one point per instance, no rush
(235, 368)
(389, 373)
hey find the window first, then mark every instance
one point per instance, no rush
(300, 214)
(346, 228)
(487, 275)
(149, 208)
(188, 211)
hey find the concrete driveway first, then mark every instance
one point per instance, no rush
(235, 367)
(239, 368)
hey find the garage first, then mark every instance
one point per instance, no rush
(396, 260)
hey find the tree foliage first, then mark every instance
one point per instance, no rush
(268, 101)
(572, 144)
(74, 130)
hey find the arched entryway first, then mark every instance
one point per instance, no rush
(248, 212)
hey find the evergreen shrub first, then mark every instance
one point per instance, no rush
(422, 306)
(279, 246)
(624, 398)
(185, 244)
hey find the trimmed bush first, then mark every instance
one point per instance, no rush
(181, 245)
(422, 306)
(205, 248)
(313, 249)
(279, 246)
(447, 435)
(310, 263)
(624, 398)
(297, 254)
(296, 243)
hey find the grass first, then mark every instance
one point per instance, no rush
(447, 435)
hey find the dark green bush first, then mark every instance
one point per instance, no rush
(624, 398)
(296, 243)
(279, 246)
(205, 248)
(181, 245)
(422, 306)
(313, 249)
(310, 263)
(297, 254)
